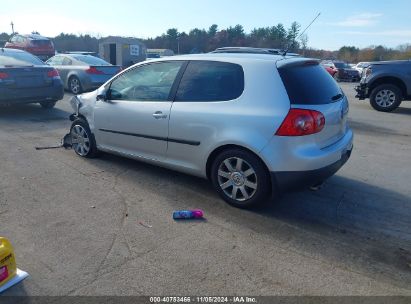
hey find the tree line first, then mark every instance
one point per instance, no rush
(206, 40)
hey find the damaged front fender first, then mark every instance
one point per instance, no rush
(75, 104)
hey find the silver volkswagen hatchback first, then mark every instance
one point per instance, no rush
(253, 124)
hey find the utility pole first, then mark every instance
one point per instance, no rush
(12, 27)
(178, 45)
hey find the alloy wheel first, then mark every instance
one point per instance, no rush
(80, 140)
(385, 98)
(237, 178)
(75, 86)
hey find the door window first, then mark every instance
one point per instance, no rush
(151, 82)
(56, 60)
(211, 81)
(67, 61)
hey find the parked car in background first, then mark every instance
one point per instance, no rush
(95, 54)
(253, 124)
(37, 45)
(341, 71)
(386, 83)
(81, 73)
(331, 69)
(26, 79)
(361, 66)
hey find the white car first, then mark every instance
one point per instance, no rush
(361, 66)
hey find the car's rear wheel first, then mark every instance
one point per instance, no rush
(75, 85)
(47, 104)
(241, 178)
(386, 97)
(82, 139)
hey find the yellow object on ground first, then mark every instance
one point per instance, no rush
(8, 268)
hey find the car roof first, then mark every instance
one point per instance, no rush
(36, 36)
(11, 50)
(253, 50)
(227, 57)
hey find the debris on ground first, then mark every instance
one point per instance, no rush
(66, 143)
(145, 225)
(188, 214)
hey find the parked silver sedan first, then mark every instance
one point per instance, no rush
(254, 124)
(81, 73)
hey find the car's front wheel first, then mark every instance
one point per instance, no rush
(386, 97)
(241, 178)
(82, 139)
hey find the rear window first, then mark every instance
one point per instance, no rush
(309, 84)
(41, 42)
(90, 60)
(18, 59)
(211, 81)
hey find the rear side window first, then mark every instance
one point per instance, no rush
(67, 61)
(309, 84)
(211, 81)
(90, 60)
(40, 42)
(18, 59)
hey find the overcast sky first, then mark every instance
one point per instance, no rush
(350, 22)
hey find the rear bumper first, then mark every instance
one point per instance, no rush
(9, 96)
(362, 91)
(294, 180)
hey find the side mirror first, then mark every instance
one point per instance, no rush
(102, 97)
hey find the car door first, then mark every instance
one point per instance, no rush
(203, 106)
(64, 67)
(56, 63)
(134, 118)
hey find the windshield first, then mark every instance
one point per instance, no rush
(18, 59)
(91, 60)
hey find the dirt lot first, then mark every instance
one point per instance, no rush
(76, 228)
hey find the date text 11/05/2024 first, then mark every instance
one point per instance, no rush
(237, 299)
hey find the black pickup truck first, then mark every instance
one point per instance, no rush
(386, 84)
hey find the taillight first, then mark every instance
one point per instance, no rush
(93, 70)
(4, 75)
(53, 73)
(301, 122)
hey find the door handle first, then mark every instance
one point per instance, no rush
(159, 115)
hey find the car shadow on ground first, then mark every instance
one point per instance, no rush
(342, 204)
(402, 110)
(32, 113)
(373, 129)
(362, 224)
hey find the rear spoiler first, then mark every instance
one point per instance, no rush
(293, 62)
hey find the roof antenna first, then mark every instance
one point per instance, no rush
(302, 33)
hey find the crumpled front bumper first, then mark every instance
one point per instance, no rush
(362, 91)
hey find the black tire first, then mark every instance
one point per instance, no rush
(89, 149)
(74, 85)
(48, 104)
(386, 97)
(260, 180)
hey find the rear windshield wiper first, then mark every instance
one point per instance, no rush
(337, 97)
